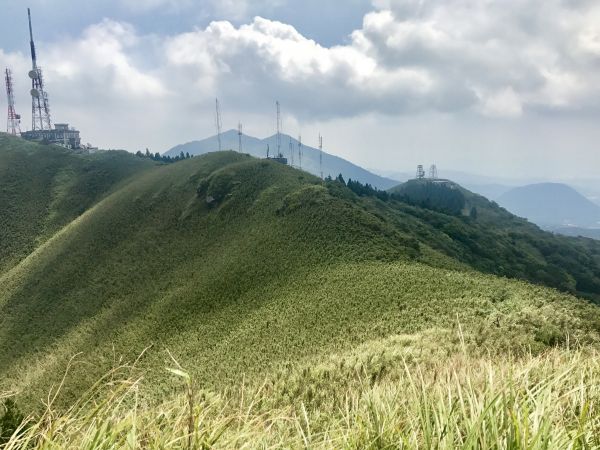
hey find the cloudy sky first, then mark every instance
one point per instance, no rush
(505, 88)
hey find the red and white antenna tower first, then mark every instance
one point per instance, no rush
(40, 107)
(13, 122)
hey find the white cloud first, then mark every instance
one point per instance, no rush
(100, 82)
(536, 54)
(477, 58)
(496, 57)
(504, 103)
(102, 59)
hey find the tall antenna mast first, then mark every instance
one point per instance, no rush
(240, 137)
(218, 121)
(300, 150)
(291, 153)
(40, 107)
(278, 129)
(13, 121)
(31, 43)
(433, 172)
(321, 155)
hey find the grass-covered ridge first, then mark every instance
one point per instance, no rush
(242, 268)
(43, 188)
(153, 262)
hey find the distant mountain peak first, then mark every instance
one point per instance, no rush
(551, 204)
(332, 165)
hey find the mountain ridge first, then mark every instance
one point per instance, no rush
(332, 165)
(240, 267)
(552, 205)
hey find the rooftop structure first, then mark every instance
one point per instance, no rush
(277, 158)
(60, 135)
(281, 160)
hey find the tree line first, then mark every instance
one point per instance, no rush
(163, 158)
(362, 190)
(425, 195)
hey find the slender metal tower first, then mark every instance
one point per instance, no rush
(321, 155)
(291, 153)
(218, 121)
(300, 151)
(279, 155)
(40, 107)
(240, 137)
(13, 121)
(433, 173)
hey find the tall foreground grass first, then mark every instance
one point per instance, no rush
(544, 402)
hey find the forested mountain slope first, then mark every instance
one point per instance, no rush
(490, 239)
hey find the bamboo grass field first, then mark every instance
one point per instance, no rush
(544, 402)
(230, 302)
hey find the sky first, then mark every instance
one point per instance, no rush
(503, 88)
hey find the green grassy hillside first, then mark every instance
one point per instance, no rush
(43, 188)
(240, 267)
